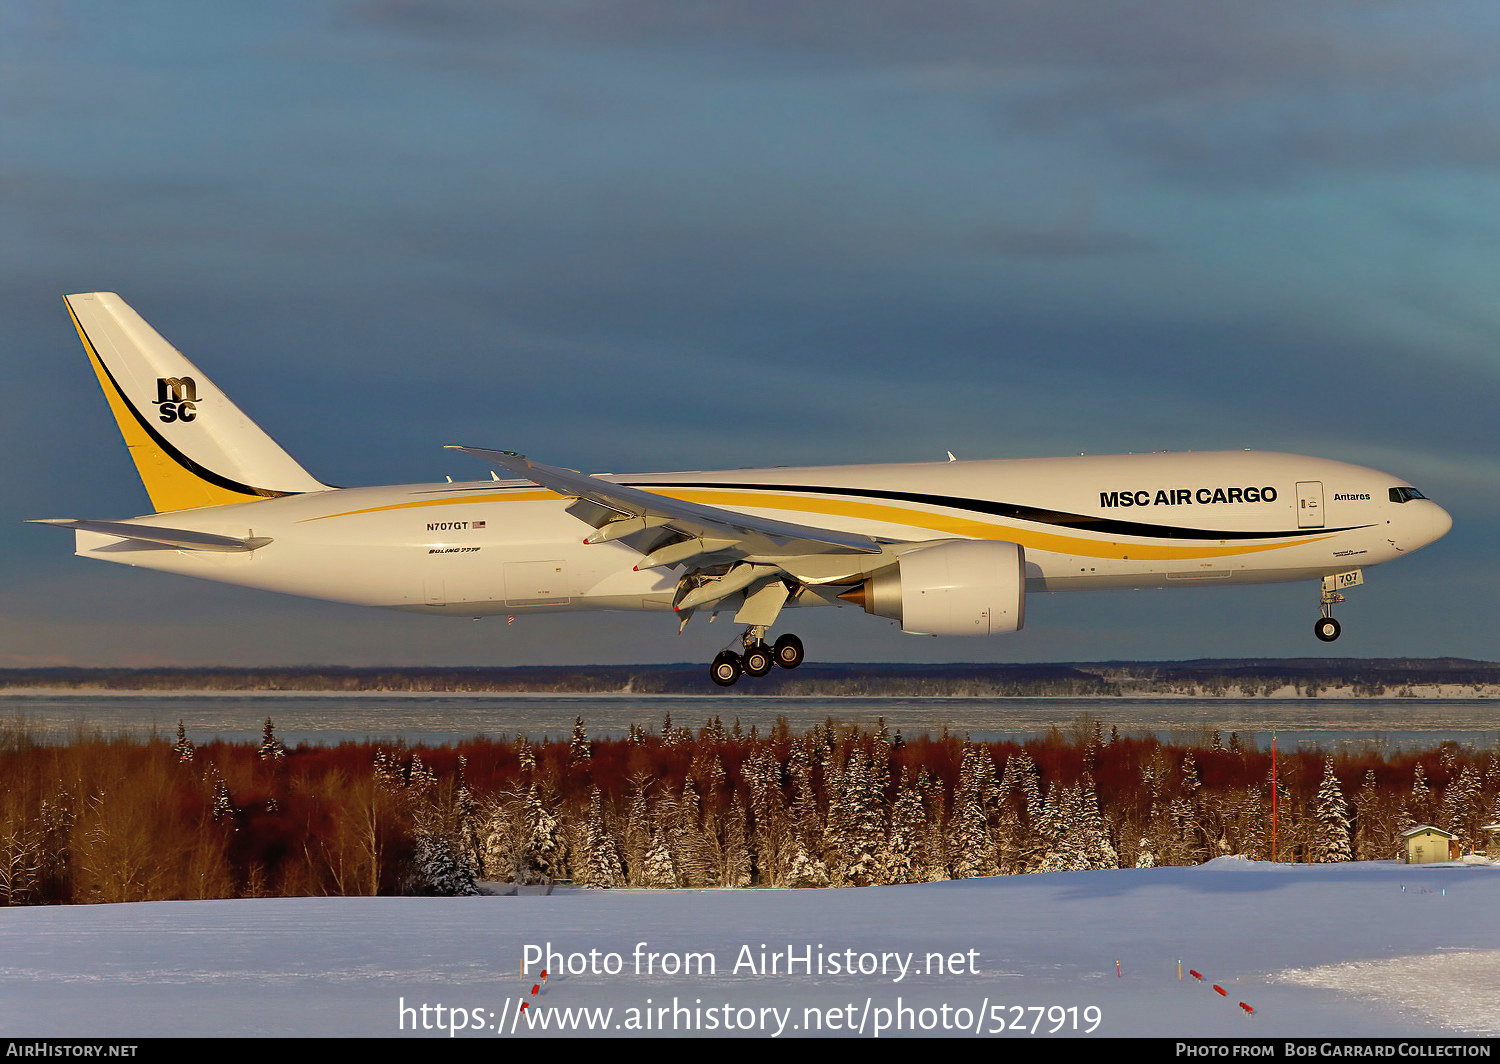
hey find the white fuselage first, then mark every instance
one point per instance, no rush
(1116, 521)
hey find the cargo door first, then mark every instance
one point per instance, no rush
(1309, 504)
(536, 584)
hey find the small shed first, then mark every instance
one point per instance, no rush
(1425, 844)
(1492, 848)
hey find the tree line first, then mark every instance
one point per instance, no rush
(1307, 677)
(125, 819)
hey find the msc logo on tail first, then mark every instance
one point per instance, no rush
(176, 398)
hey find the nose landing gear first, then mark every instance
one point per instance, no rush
(758, 657)
(1327, 629)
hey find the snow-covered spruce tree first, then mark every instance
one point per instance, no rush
(468, 823)
(1462, 807)
(1028, 779)
(1094, 845)
(933, 866)
(387, 772)
(1144, 858)
(421, 780)
(580, 750)
(1250, 817)
(802, 863)
(183, 748)
(525, 756)
(805, 870)
(637, 842)
(771, 833)
(505, 836)
(900, 857)
(544, 855)
(271, 748)
(707, 770)
(864, 824)
(601, 866)
(436, 870)
(734, 856)
(660, 870)
(971, 849)
(807, 827)
(223, 804)
(835, 832)
(1420, 803)
(692, 854)
(880, 764)
(1190, 782)
(1330, 841)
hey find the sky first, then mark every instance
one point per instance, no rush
(1366, 949)
(650, 236)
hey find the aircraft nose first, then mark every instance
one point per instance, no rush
(1442, 521)
(1425, 522)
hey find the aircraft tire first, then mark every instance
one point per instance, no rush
(1327, 629)
(788, 651)
(757, 660)
(726, 669)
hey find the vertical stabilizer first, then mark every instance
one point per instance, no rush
(191, 445)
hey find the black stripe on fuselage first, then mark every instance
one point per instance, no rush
(1105, 526)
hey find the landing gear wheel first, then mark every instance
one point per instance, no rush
(1327, 629)
(757, 660)
(788, 651)
(726, 669)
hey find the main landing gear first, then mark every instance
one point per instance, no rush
(1326, 628)
(758, 658)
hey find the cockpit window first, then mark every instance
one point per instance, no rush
(1405, 494)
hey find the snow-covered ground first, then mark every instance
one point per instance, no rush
(1367, 949)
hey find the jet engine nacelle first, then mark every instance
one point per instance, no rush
(962, 587)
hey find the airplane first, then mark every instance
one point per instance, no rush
(950, 548)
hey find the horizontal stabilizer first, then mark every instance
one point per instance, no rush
(181, 538)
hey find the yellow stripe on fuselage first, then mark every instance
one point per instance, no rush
(1032, 539)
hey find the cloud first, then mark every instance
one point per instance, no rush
(1201, 91)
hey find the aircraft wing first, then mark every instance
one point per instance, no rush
(726, 552)
(622, 502)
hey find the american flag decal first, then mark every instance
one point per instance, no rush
(476, 524)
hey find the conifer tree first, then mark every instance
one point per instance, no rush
(543, 853)
(734, 860)
(183, 748)
(692, 855)
(660, 871)
(1462, 807)
(580, 750)
(971, 849)
(1421, 797)
(864, 828)
(901, 857)
(271, 748)
(637, 833)
(467, 823)
(601, 860)
(1330, 841)
(436, 869)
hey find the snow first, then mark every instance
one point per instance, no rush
(1369, 949)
